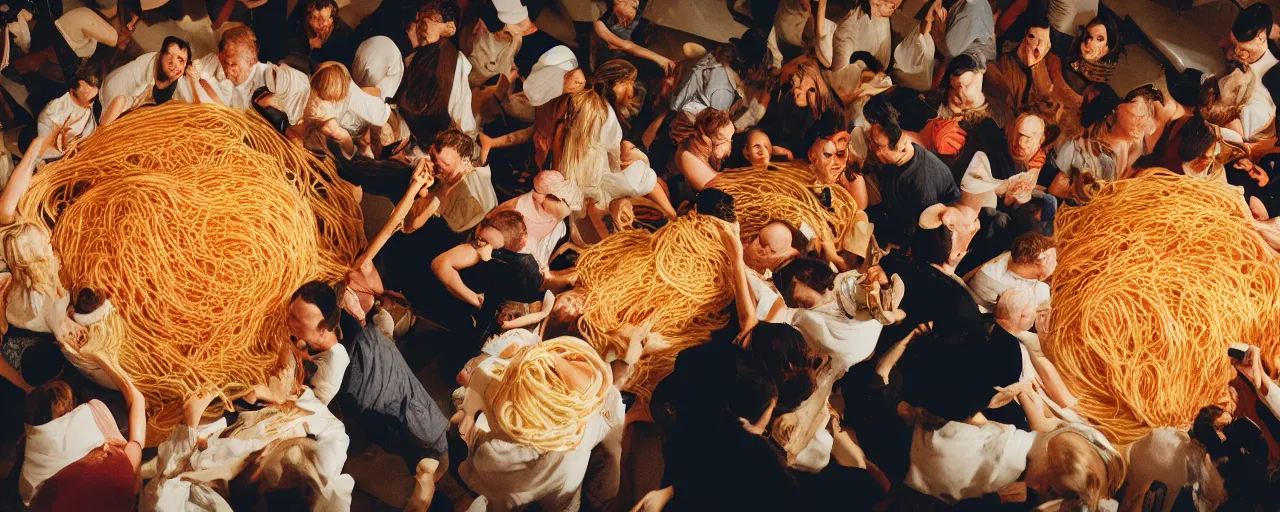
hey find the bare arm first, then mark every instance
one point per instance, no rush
(137, 407)
(619, 43)
(113, 110)
(421, 179)
(20, 180)
(446, 267)
(11, 374)
(743, 302)
(1036, 417)
(891, 357)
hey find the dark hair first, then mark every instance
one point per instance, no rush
(423, 99)
(750, 393)
(87, 301)
(781, 352)
(508, 222)
(47, 403)
(951, 374)
(932, 245)
(872, 63)
(42, 362)
(1148, 91)
(180, 42)
(1028, 246)
(1253, 20)
(89, 73)
(813, 272)
(799, 241)
(1041, 22)
(1184, 87)
(319, 5)
(457, 140)
(880, 112)
(323, 297)
(447, 9)
(1197, 137)
(716, 203)
(963, 63)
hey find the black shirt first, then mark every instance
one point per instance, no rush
(531, 49)
(910, 188)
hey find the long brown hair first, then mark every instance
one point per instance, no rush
(1225, 95)
(612, 73)
(581, 157)
(423, 99)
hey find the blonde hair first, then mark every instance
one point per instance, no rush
(1077, 470)
(1224, 96)
(331, 81)
(239, 37)
(630, 8)
(29, 254)
(582, 158)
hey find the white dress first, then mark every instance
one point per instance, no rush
(58, 443)
(961, 461)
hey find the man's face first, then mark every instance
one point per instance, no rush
(173, 61)
(1248, 52)
(759, 150)
(1035, 45)
(722, 142)
(878, 144)
(1027, 138)
(803, 90)
(491, 237)
(1134, 118)
(85, 93)
(449, 165)
(237, 63)
(966, 91)
(770, 247)
(304, 323)
(320, 22)
(822, 158)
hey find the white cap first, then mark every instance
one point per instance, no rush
(511, 11)
(977, 181)
(546, 80)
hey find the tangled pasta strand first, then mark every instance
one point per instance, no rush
(763, 195)
(198, 222)
(1157, 275)
(536, 407)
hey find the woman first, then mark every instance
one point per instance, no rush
(865, 28)
(76, 459)
(434, 95)
(801, 111)
(1094, 55)
(1230, 101)
(621, 33)
(616, 81)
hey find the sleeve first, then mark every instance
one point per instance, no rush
(460, 98)
(1272, 400)
(331, 437)
(842, 44)
(370, 108)
(722, 95)
(913, 62)
(49, 117)
(959, 34)
(985, 289)
(1256, 115)
(329, 373)
(685, 97)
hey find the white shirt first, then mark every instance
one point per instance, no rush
(469, 201)
(134, 81)
(859, 31)
(61, 442)
(291, 87)
(490, 57)
(961, 461)
(331, 365)
(994, 277)
(179, 455)
(64, 110)
(460, 98)
(848, 341)
(764, 295)
(355, 113)
(1260, 111)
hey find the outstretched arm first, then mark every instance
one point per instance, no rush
(422, 179)
(446, 267)
(137, 407)
(744, 303)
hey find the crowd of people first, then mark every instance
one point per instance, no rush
(913, 361)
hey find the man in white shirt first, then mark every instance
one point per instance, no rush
(463, 194)
(1250, 37)
(66, 119)
(231, 76)
(1028, 264)
(832, 311)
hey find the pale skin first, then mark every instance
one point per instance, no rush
(137, 411)
(363, 271)
(696, 169)
(447, 265)
(451, 168)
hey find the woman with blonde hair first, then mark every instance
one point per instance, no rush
(340, 111)
(1228, 100)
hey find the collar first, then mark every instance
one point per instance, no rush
(1264, 63)
(94, 316)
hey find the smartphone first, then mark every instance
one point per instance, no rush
(1237, 351)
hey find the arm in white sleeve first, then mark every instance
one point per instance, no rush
(1272, 397)
(331, 365)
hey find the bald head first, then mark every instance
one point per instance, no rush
(776, 243)
(1026, 136)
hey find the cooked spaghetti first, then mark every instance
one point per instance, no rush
(198, 222)
(762, 195)
(533, 403)
(1157, 275)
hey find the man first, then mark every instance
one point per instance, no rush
(1250, 38)
(963, 98)
(233, 74)
(465, 194)
(911, 178)
(1026, 142)
(967, 27)
(777, 242)
(1028, 264)
(152, 78)
(835, 312)
(506, 41)
(701, 153)
(1115, 137)
(378, 389)
(427, 23)
(937, 295)
(64, 120)
(544, 209)
(319, 35)
(1030, 78)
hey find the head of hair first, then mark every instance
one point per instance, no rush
(1197, 137)
(808, 68)
(1013, 302)
(932, 245)
(508, 222)
(880, 112)
(716, 203)
(87, 301)
(1028, 246)
(456, 140)
(1184, 87)
(870, 61)
(89, 73)
(331, 81)
(582, 159)
(239, 37)
(705, 125)
(1222, 97)
(30, 257)
(319, 5)
(181, 43)
(963, 63)
(781, 353)
(749, 393)
(42, 362)
(448, 10)
(1078, 471)
(285, 475)
(812, 272)
(1253, 20)
(1040, 22)
(48, 402)
(321, 295)
(799, 241)
(609, 74)
(1148, 91)
(428, 81)
(1113, 34)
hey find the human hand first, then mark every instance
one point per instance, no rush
(1007, 394)
(73, 339)
(1250, 367)
(876, 275)
(422, 177)
(655, 501)
(667, 65)
(730, 236)
(486, 144)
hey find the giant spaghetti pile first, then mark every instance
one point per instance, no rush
(675, 281)
(1157, 276)
(763, 195)
(536, 406)
(198, 222)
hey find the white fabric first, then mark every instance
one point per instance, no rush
(331, 365)
(510, 475)
(848, 341)
(994, 277)
(913, 62)
(134, 82)
(490, 57)
(817, 454)
(634, 181)
(179, 456)
(859, 31)
(64, 110)
(20, 29)
(362, 110)
(546, 79)
(825, 45)
(291, 87)
(460, 98)
(75, 23)
(1067, 16)
(378, 63)
(961, 461)
(790, 20)
(1257, 114)
(511, 11)
(57, 444)
(469, 201)
(540, 248)
(765, 295)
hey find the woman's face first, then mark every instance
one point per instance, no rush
(575, 81)
(1094, 47)
(1134, 118)
(174, 61)
(624, 90)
